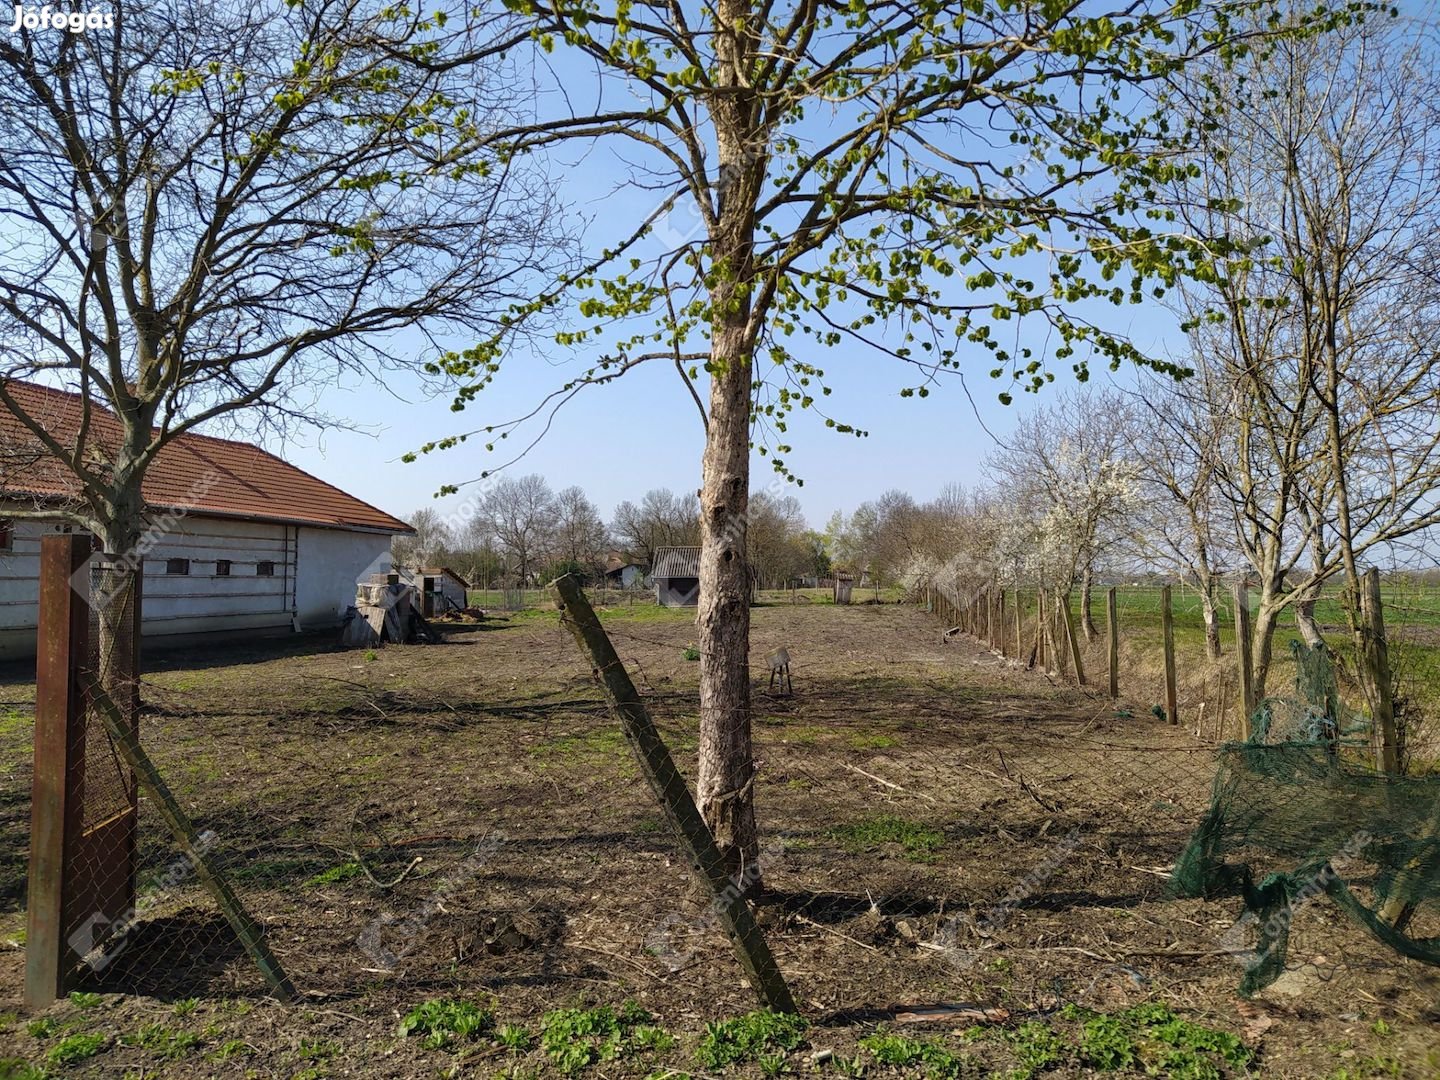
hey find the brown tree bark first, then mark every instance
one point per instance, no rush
(1087, 617)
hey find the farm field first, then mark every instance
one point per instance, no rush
(462, 824)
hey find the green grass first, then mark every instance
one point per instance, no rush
(919, 1057)
(919, 842)
(576, 1039)
(751, 1037)
(441, 1020)
(75, 1048)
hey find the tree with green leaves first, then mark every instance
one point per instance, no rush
(904, 178)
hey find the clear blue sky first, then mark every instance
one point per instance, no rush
(643, 431)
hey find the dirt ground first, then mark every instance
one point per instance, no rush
(464, 822)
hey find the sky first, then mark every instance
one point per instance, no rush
(643, 431)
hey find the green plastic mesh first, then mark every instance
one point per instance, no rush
(1298, 811)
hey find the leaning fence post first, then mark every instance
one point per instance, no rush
(1000, 628)
(1243, 659)
(1068, 617)
(1019, 622)
(669, 787)
(1167, 623)
(1112, 631)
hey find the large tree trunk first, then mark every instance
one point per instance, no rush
(727, 770)
(1267, 617)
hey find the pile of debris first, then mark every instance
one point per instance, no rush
(386, 610)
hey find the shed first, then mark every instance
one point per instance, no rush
(677, 576)
(441, 590)
(622, 572)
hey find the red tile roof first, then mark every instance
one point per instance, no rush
(196, 473)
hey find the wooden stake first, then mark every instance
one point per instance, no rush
(753, 952)
(1244, 660)
(1000, 627)
(1112, 632)
(1167, 624)
(1378, 674)
(183, 829)
(1069, 619)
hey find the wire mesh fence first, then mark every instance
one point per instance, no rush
(938, 824)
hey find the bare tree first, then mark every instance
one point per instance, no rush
(210, 207)
(520, 512)
(662, 519)
(580, 536)
(1320, 350)
(431, 539)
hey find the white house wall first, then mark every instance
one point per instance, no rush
(314, 579)
(331, 563)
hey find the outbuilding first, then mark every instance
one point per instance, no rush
(240, 541)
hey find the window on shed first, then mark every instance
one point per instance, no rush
(222, 567)
(265, 569)
(7, 535)
(180, 567)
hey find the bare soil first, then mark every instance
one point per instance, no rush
(465, 820)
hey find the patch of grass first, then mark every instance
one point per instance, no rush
(185, 1006)
(1036, 1046)
(75, 1048)
(441, 1019)
(336, 874)
(691, 653)
(745, 1038)
(20, 1069)
(1107, 1043)
(81, 1000)
(43, 1028)
(575, 1039)
(919, 842)
(919, 1056)
(1152, 1037)
(165, 1043)
(871, 742)
(231, 1049)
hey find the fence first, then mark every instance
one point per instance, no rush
(936, 825)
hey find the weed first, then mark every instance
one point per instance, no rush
(1106, 1043)
(575, 1039)
(691, 653)
(441, 1018)
(746, 1037)
(1036, 1046)
(74, 1048)
(318, 1049)
(1382, 1029)
(772, 1064)
(920, 843)
(514, 1037)
(848, 1066)
(20, 1069)
(185, 1006)
(314, 1072)
(44, 1028)
(163, 1042)
(232, 1049)
(900, 1052)
(336, 874)
(82, 1000)
(371, 656)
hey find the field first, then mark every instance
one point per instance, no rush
(463, 825)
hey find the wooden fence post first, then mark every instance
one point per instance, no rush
(1167, 623)
(1378, 675)
(1019, 622)
(1112, 631)
(1068, 617)
(1059, 647)
(1000, 627)
(1244, 659)
(670, 789)
(1041, 658)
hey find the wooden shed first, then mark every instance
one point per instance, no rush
(677, 576)
(441, 590)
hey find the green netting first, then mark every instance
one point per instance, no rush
(1298, 811)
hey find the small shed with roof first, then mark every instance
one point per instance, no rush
(676, 574)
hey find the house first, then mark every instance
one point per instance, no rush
(441, 590)
(677, 576)
(622, 573)
(240, 540)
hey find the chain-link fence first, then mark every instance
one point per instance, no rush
(939, 824)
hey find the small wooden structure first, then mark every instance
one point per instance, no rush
(441, 590)
(844, 582)
(677, 576)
